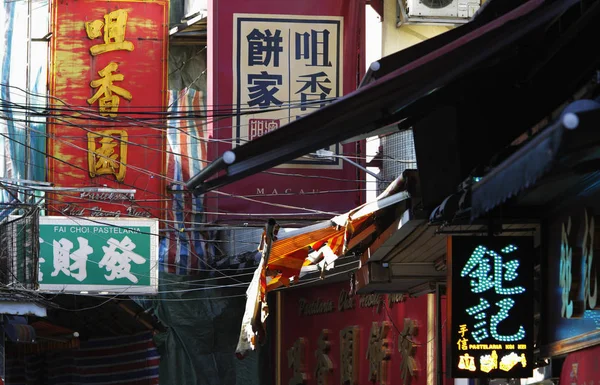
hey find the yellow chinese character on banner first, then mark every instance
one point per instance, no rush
(107, 153)
(462, 344)
(462, 330)
(114, 33)
(109, 104)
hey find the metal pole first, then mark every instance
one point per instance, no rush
(360, 167)
(438, 333)
(2, 353)
(28, 90)
(278, 337)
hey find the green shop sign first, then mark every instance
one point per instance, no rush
(98, 255)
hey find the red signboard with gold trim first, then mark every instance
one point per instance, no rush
(108, 83)
(271, 62)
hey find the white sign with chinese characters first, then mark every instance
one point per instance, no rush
(98, 255)
(285, 66)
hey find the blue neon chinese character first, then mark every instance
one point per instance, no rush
(479, 268)
(262, 47)
(313, 46)
(486, 276)
(505, 305)
(262, 89)
(479, 332)
(313, 90)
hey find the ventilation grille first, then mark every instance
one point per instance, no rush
(398, 155)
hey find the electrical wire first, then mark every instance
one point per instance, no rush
(172, 180)
(158, 112)
(244, 284)
(302, 283)
(138, 169)
(160, 128)
(152, 120)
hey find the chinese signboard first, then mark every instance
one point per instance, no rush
(330, 336)
(491, 321)
(115, 255)
(108, 90)
(573, 314)
(581, 367)
(285, 67)
(267, 70)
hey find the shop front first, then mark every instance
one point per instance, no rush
(559, 186)
(581, 367)
(572, 306)
(327, 335)
(461, 191)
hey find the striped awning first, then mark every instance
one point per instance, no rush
(17, 329)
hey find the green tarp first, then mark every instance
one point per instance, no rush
(203, 324)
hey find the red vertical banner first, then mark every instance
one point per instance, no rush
(270, 63)
(108, 87)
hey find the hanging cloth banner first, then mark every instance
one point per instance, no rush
(182, 249)
(17, 329)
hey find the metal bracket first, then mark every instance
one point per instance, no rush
(401, 15)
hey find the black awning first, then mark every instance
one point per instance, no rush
(419, 86)
(521, 170)
(569, 145)
(489, 11)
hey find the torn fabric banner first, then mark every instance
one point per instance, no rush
(300, 252)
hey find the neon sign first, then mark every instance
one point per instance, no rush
(491, 312)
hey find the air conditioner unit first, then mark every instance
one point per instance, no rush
(453, 9)
(193, 7)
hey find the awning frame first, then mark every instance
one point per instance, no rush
(565, 146)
